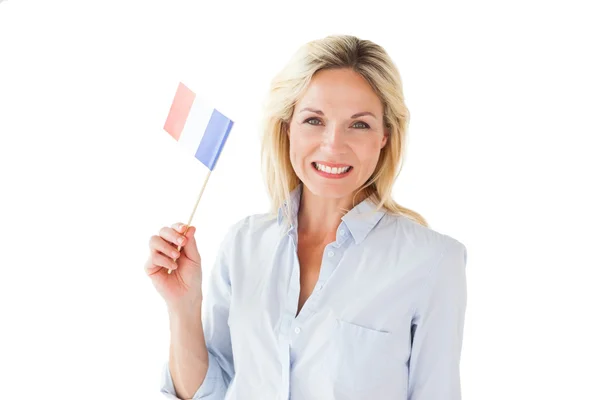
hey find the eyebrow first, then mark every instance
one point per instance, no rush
(360, 114)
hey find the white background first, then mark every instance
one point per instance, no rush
(502, 155)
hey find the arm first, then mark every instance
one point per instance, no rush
(200, 357)
(188, 355)
(434, 368)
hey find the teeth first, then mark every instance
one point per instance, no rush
(330, 170)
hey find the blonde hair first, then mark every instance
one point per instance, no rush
(374, 64)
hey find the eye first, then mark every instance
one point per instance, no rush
(311, 121)
(361, 125)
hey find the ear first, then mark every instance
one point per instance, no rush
(386, 135)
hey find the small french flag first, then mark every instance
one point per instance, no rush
(200, 129)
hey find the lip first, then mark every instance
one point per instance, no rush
(332, 176)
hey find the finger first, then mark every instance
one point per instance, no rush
(150, 268)
(190, 248)
(172, 236)
(189, 234)
(184, 229)
(160, 245)
(179, 227)
(160, 260)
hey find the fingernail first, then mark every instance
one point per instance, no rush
(174, 254)
(180, 240)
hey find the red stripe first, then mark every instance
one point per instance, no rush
(180, 109)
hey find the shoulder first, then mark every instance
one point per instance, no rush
(251, 227)
(427, 241)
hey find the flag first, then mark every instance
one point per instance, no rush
(200, 129)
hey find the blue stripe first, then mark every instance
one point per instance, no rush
(214, 139)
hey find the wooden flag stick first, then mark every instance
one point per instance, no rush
(194, 211)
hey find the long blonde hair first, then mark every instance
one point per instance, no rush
(287, 87)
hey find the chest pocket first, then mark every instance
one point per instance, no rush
(364, 362)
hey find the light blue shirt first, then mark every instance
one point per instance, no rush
(385, 319)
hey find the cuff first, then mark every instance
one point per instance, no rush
(212, 387)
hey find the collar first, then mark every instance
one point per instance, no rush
(360, 220)
(294, 202)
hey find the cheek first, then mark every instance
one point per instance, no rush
(301, 145)
(295, 148)
(368, 153)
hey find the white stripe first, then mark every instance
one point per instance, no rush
(195, 125)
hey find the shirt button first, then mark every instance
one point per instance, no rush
(330, 254)
(342, 232)
(297, 330)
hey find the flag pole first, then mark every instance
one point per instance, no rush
(194, 211)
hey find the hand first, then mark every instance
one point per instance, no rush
(183, 287)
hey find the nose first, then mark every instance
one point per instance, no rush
(334, 139)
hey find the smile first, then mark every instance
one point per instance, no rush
(332, 171)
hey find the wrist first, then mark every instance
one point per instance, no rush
(185, 311)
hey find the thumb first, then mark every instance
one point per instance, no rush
(190, 249)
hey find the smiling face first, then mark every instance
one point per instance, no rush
(336, 133)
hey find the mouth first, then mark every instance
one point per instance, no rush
(334, 171)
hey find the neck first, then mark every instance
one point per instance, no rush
(319, 217)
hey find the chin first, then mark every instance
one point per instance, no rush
(333, 190)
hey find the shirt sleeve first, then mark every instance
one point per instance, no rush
(215, 315)
(437, 329)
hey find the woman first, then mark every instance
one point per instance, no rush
(338, 292)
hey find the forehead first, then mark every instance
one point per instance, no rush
(343, 89)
